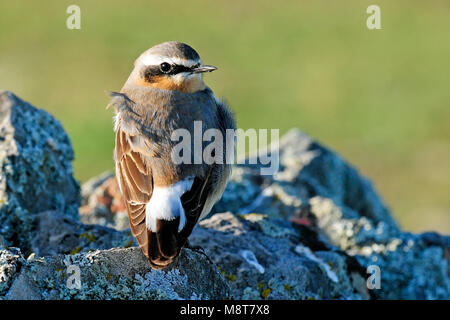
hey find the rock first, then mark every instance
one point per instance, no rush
(323, 195)
(10, 262)
(2, 242)
(111, 274)
(316, 229)
(307, 170)
(316, 220)
(410, 267)
(102, 203)
(264, 258)
(35, 169)
(55, 233)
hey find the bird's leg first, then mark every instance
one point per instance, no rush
(193, 248)
(197, 249)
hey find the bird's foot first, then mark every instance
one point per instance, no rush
(197, 249)
(194, 248)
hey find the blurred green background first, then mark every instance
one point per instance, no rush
(380, 98)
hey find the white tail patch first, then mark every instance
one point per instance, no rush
(165, 204)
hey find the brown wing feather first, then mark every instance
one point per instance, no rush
(135, 179)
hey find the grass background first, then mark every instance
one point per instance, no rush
(380, 98)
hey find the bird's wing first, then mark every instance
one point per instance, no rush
(193, 202)
(205, 191)
(136, 184)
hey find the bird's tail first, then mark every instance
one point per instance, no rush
(163, 244)
(165, 218)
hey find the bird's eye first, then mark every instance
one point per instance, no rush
(165, 67)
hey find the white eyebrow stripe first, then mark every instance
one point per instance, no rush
(152, 60)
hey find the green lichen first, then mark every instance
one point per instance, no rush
(76, 250)
(129, 244)
(62, 273)
(230, 277)
(265, 293)
(88, 236)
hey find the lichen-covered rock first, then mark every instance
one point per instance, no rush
(102, 203)
(291, 235)
(55, 233)
(35, 169)
(320, 193)
(264, 258)
(411, 266)
(313, 230)
(114, 274)
(307, 170)
(10, 262)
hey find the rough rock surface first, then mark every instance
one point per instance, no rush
(39, 211)
(316, 220)
(313, 230)
(265, 258)
(109, 274)
(101, 202)
(327, 200)
(119, 273)
(55, 233)
(35, 169)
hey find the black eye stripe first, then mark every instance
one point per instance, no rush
(179, 68)
(155, 70)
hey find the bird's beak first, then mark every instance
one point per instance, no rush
(203, 68)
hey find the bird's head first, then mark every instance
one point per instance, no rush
(170, 66)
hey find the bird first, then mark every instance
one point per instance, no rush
(165, 92)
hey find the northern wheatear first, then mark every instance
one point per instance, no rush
(164, 199)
